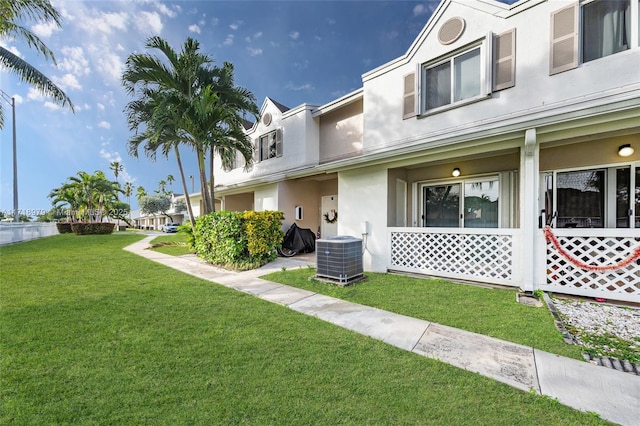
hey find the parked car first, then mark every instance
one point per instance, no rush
(170, 227)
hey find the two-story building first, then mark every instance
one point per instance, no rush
(451, 159)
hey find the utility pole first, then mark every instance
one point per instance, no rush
(12, 101)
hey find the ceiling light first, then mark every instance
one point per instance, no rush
(456, 172)
(625, 150)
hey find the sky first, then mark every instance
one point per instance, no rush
(294, 52)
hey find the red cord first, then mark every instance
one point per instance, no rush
(548, 234)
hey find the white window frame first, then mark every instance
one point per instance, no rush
(610, 190)
(485, 45)
(581, 30)
(277, 140)
(420, 186)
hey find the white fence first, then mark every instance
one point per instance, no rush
(15, 232)
(485, 255)
(593, 248)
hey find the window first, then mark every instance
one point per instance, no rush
(458, 78)
(605, 28)
(269, 145)
(469, 204)
(597, 198)
(461, 77)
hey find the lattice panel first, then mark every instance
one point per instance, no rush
(596, 251)
(477, 256)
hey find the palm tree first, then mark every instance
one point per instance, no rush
(116, 167)
(170, 180)
(141, 193)
(181, 103)
(160, 132)
(128, 190)
(11, 14)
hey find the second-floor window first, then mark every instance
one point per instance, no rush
(591, 31)
(458, 78)
(270, 145)
(606, 28)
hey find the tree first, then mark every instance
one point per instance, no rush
(141, 193)
(90, 197)
(128, 190)
(170, 180)
(162, 187)
(12, 13)
(181, 100)
(116, 167)
(156, 204)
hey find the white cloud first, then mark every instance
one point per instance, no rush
(18, 99)
(229, 40)
(51, 106)
(34, 95)
(304, 87)
(162, 8)
(149, 23)
(194, 29)
(254, 52)
(422, 9)
(100, 106)
(104, 22)
(301, 65)
(119, 48)
(294, 35)
(73, 61)
(256, 36)
(67, 82)
(104, 125)
(215, 21)
(236, 25)
(110, 65)
(44, 29)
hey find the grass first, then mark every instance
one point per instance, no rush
(172, 244)
(489, 311)
(92, 334)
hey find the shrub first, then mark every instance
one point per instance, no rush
(239, 240)
(187, 231)
(64, 227)
(85, 228)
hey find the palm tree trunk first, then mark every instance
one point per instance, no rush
(186, 189)
(211, 181)
(206, 201)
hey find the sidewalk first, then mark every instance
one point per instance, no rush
(612, 394)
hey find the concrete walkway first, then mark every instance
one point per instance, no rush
(612, 394)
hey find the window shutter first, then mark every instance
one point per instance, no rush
(564, 39)
(256, 150)
(504, 60)
(409, 96)
(278, 142)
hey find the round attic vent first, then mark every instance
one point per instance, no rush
(451, 30)
(266, 119)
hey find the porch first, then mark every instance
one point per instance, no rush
(598, 263)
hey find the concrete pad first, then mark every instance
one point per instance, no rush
(612, 394)
(285, 295)
(397, 330)
(506, 362)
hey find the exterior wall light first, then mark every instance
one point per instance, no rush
(625, 150)
(456, 171)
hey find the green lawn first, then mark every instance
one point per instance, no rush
(489, 311)
(91, 334)
(172, 244)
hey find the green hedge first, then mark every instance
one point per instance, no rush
(85, 228)
(239, 240)
(64, 227)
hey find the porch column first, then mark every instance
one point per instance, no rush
(529, 178)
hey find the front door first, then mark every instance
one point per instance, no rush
(329, 216)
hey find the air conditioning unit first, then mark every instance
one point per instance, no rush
(339, 259)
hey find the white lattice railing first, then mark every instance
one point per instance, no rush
(596, 247)
(486, 255)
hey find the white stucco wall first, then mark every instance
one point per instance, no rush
(536, 93)
(364, 192)
(300, 138)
